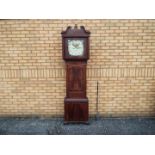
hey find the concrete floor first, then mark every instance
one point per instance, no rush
(102, 126)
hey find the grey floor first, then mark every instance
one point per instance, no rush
(102, 126)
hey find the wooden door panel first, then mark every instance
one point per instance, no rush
(76, 80)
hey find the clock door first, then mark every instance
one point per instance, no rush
(76, 79)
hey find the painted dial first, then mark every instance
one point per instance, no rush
(75, 47)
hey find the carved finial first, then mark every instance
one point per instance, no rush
(75, 27)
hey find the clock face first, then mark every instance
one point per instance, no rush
(76, 47)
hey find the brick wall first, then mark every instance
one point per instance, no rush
(32, 72)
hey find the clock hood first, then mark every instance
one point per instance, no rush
(75, 32)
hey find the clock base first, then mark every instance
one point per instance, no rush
(76, 110)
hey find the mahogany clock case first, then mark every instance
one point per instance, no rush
(76, 101)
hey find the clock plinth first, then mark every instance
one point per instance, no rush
(75, 53)
(76, 110)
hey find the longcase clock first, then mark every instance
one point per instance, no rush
(75, 49)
